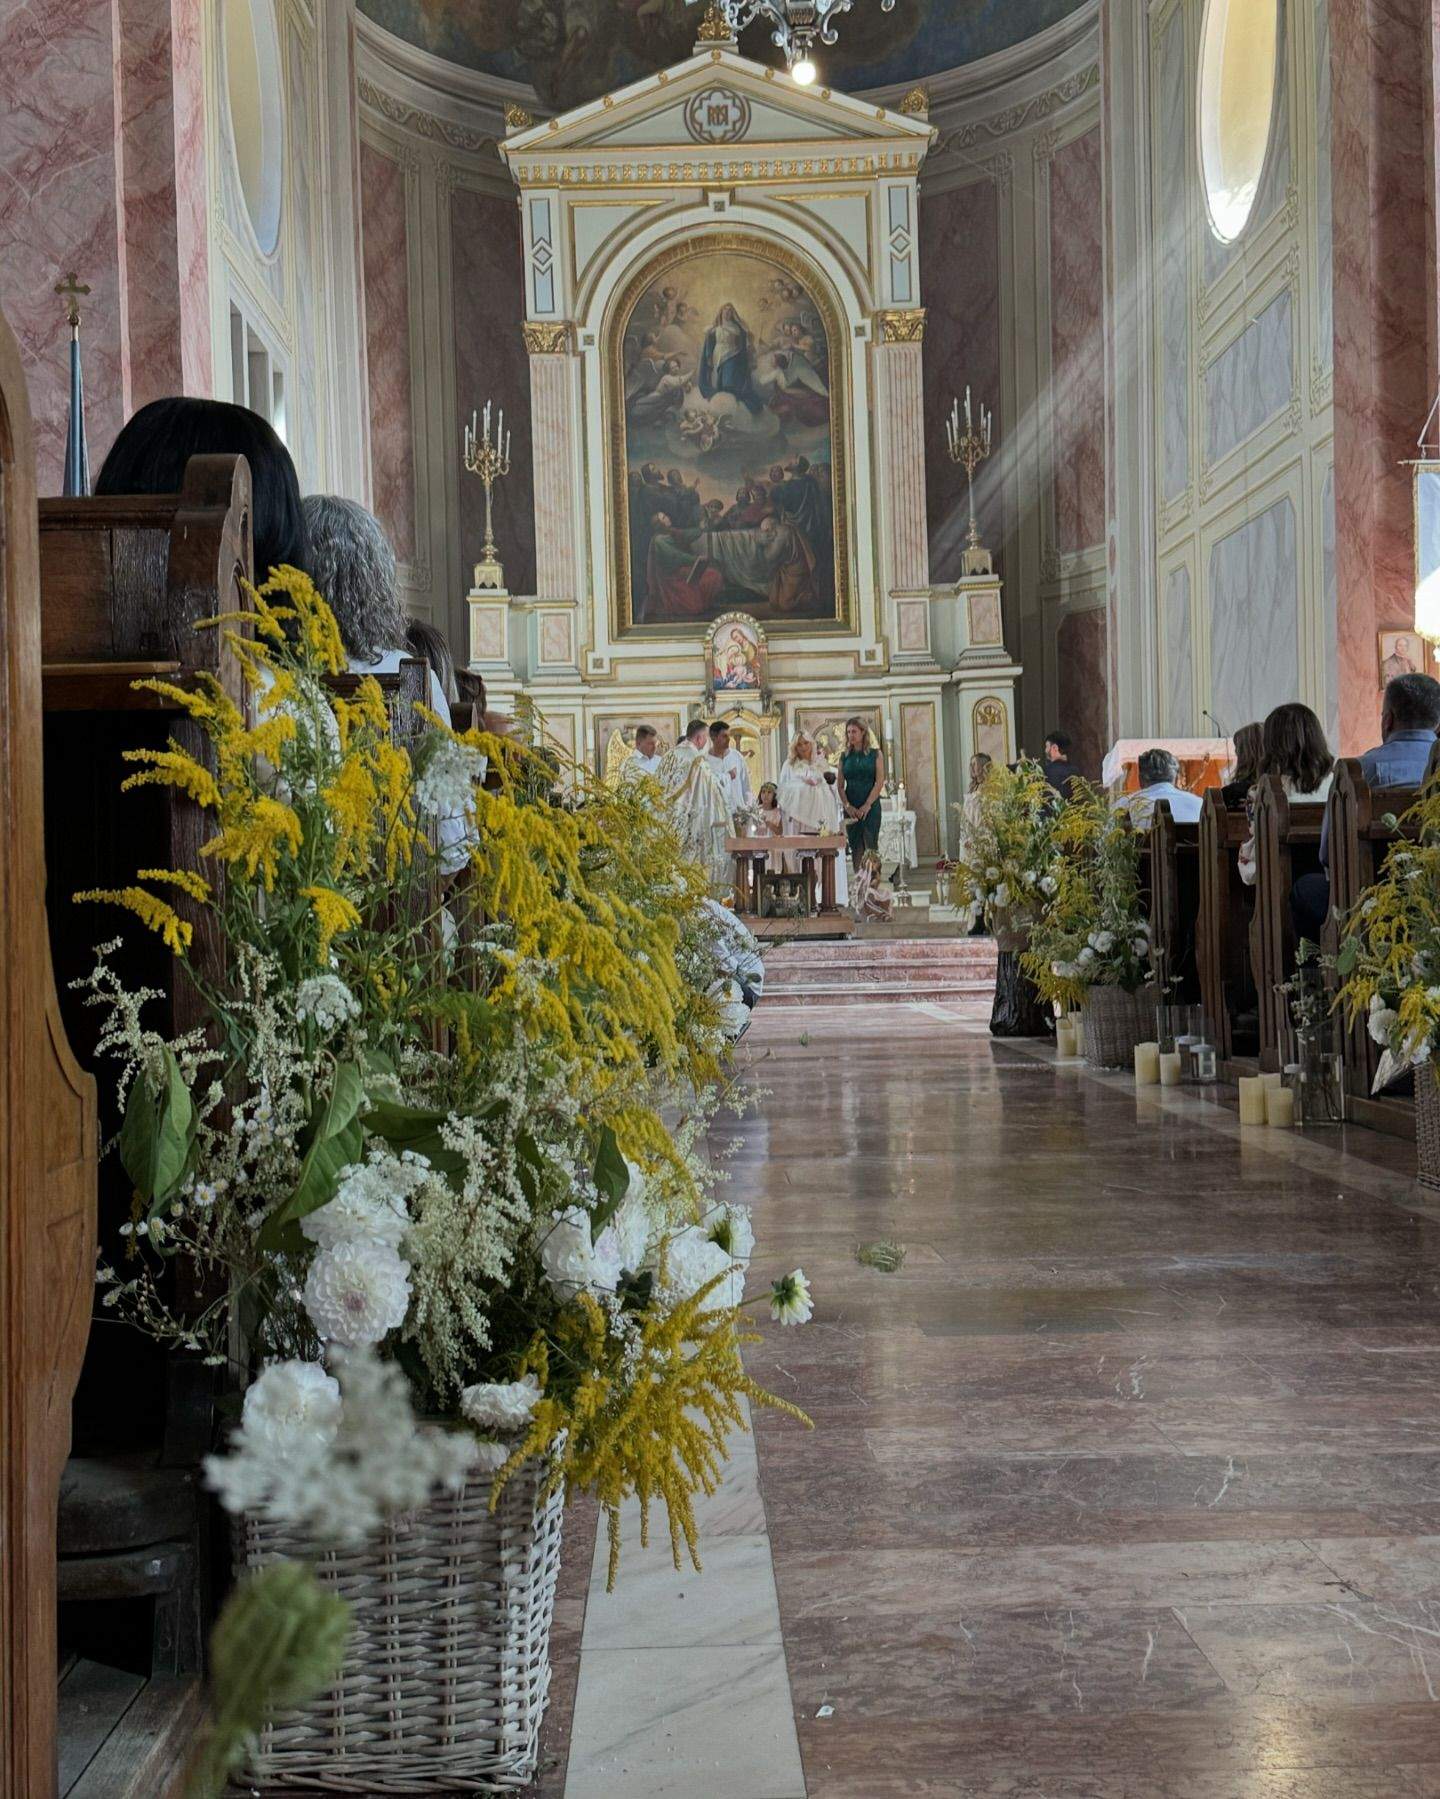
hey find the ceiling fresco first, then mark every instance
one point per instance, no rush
(571, 51)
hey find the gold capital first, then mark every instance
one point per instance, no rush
(544, 338)
(901, 327)
(715, 27)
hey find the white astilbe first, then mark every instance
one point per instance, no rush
(357, 1292)
(340, 1489)
(327, 1000)
(445, 788)
(371, 1202)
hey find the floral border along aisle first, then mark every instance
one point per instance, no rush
(436, 1159)
(1092, 944)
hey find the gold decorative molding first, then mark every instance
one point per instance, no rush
(726, 170)
(715, 27)
(517, 119)
(548, 337)
(916, 104)
(901, 325)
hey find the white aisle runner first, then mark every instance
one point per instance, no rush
(683, 1688)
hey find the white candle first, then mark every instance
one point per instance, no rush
(1147, 1064)
(967, 408)
(1065, 1040)
(1272, 1080)
(1252, 1099)
(1280, 1107)
(1170, 1068)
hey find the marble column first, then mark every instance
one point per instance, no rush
(554, 428)
(1383, 82)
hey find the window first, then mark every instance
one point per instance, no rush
(256, 378)
(253, 86)
(1239, 55)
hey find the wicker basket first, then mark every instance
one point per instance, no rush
(448, 1671)
(1427, 1127)
(1115, 1021)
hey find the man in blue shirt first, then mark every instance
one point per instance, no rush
(1159, 780)
(1409, 720)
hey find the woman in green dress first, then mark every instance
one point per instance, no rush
(862, 775)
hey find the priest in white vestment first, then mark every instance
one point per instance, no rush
(699, 809)
(811, 805)
(730, 768)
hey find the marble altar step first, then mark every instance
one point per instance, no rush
(870, 972)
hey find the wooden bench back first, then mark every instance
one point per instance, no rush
(1222, 920)
(49, 1137)
(1287, 844)
(1174, 903)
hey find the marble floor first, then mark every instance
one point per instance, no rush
(1125, 1486)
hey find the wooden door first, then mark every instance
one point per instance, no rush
(48, 1139)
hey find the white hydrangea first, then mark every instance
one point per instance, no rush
(1102, 942)
(370, 1201)
(501, 1405)
(572, 1261)
(327, 1000)
(446, 787)
(357, 1292)
(290, 1403)
(1381, 1021)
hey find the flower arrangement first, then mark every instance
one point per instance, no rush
(1389, 956)
(436, 1153)
(1092, 932)
(1004, 866)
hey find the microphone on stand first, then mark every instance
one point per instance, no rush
(1204, 713)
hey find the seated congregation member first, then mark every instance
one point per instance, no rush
(811, 803)
(1060, 771)
(1159, 780)
(1249, 743)
(353, 565)
(1293, 746)
(154, 445)
(427, 644)
(862, 779)
(1409, 719)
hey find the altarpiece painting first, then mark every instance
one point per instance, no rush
(729, 426)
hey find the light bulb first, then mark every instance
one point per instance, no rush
(804, 71)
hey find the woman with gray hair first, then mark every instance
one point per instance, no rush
(352, 564)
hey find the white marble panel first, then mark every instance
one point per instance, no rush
(1251, 379)
(1330, 599)
(1179, 657)
(656, 1605)
(1254, 617)
(1170, 224)
(1324, 208)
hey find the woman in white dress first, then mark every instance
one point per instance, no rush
(811, 804)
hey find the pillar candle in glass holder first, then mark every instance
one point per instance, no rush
(1170, 1068)
(1147, 1064)
(1252, 1099)
(1280, 1107)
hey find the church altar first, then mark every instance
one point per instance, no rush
(726, 351)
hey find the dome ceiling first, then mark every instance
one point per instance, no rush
(571, 51)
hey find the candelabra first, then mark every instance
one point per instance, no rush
(490, 461)
(970, 449)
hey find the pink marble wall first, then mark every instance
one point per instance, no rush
(491, 363)
(192, 240)
(59, 209)
(1081, 661)
(1383, 100)
(1077, 344)
(960, 260)
(387, 340)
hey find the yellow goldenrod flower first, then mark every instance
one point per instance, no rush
(257, 837)
(334, 914)
(173, 768)
(150, 909)
(184, 878)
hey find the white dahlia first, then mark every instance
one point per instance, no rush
(501, 1405)
(289, 1403)
(571, 1260)
(690, 1262)
(357, 1292)
(790, 1301)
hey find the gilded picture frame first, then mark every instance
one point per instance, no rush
(699, 264)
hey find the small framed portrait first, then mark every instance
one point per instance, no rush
(736, 659)
(1402, 653)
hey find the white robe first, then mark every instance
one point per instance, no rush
(635, 766)
(699, 810)
(812, 809)
(732, 771)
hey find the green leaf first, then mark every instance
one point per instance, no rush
(157, 1138)
(337, 1138)
(612, 1177)
(414, 1128)
(1347, 958)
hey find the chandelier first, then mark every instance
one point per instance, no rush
(795, 25)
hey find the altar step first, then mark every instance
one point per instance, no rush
(879, 971)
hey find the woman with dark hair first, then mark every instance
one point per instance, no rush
(1249, 745)
(154, 445)
(862, 775)
(433, 646)
(1293, 746)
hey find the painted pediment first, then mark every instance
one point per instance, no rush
(719, 102)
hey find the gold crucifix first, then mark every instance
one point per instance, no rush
(70, 290)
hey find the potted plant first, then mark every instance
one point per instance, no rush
(435, 1157)
(1091, 945)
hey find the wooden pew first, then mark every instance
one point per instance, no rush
(1174, 904)
(123, 581)
(1287, 845)
(50, 1141)
(1222, 950)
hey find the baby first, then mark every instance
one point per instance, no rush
(874, 897)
